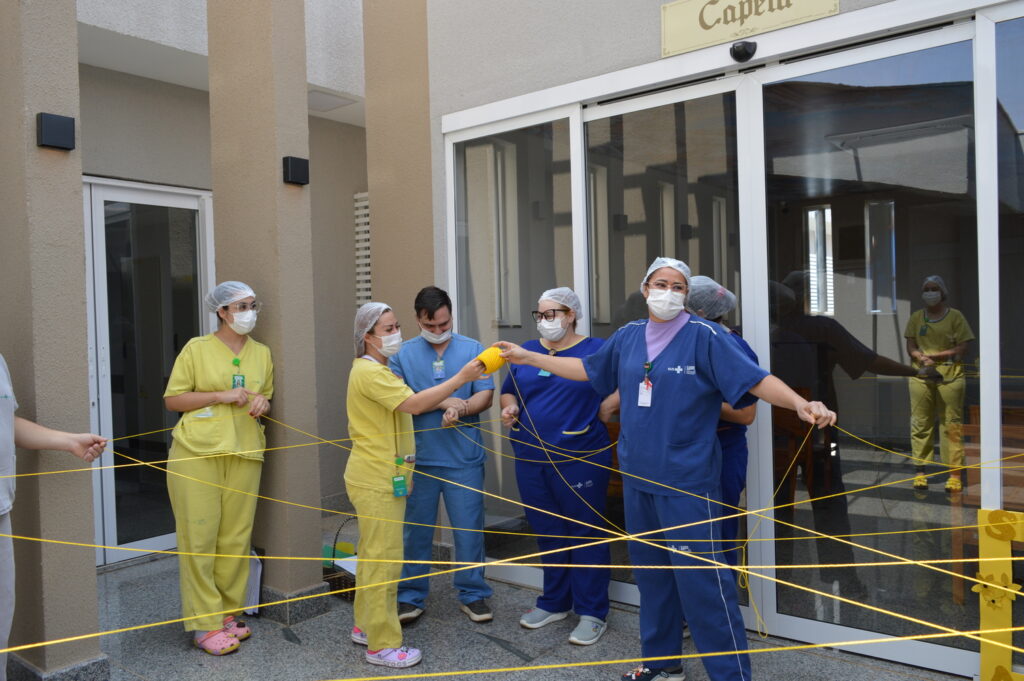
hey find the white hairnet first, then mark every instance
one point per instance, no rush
(662, 261)
(563, 295)
(709, 297)
(937, 280)
(366, 319)
(227, 292)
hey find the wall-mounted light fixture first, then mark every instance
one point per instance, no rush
(296, 170)
(56, 132)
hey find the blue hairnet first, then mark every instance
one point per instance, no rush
(662, 261)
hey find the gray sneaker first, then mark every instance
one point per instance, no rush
(588, 631)
(478, 611)
(535, 618)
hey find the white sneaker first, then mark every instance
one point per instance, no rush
(535, 618)
(588, 631)
(395, 657)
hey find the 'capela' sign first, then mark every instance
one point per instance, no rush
(688, 25)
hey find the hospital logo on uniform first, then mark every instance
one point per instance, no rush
(689, 370)
(585, 483)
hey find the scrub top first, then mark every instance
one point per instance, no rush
(562, 412)
(8, 405)
(671, 446)
(207, 364)
(942, 334)
(378, 430)
(735, 434)
(419, 365)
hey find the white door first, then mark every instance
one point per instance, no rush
(150, 261)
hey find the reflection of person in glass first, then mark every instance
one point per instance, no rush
(554, 420)
(937, 336)
(222, 383)
(673, 372)
(712, 301)
(806, 349)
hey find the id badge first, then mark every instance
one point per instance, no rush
(398, 486)
(237, 381)
(438, 366)
(644, 397)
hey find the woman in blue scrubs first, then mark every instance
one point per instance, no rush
(552, 421)
(673, 372)
(711, 301)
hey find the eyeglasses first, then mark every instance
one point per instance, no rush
(245, 307)
(546, 314)
(664, 285)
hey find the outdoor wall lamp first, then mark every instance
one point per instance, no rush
(296, 170)
(56, 132)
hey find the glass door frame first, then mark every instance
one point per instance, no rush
(96, 191)
(918, 653)
(579, 101)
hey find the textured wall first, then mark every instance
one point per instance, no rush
(334, 27)
(144, 130)
(337, 171)
(43, 333)
(398, 150)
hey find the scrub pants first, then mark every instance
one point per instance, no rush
(6, 589)
(584, 590)
(704, 598)
(946, 401)
(465, 508)
(208, 520)
(734, 480)
(380, 538)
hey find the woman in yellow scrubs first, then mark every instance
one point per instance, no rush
(937, 336)
(222, 383)
(380, 407)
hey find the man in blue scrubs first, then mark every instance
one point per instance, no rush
(673, 372)
(444, 456)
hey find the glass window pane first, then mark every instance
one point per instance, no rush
(514, 241)
(661, 181)
(1010, 122)
(153, 308)
(870, 184)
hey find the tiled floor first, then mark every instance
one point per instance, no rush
(320, 648)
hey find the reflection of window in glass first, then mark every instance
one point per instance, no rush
(492, 175)
(821, 279)
(719, 222)
(668, 219)
(601, 290)
(880, 249)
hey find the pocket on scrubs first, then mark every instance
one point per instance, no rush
(203, 434)
(689, 461)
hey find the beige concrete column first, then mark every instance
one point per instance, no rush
(262, 229)
(398, 151)
(43, 336)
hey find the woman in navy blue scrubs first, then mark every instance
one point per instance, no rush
(553, 421)
(673, 372)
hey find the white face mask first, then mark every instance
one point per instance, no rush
(436, 338)
(243, 322)
(931, 297)
(665, 304)
(551, 330)
(390, 344)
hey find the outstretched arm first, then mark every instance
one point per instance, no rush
(774, 391)
(85, 446)
(566, 367)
